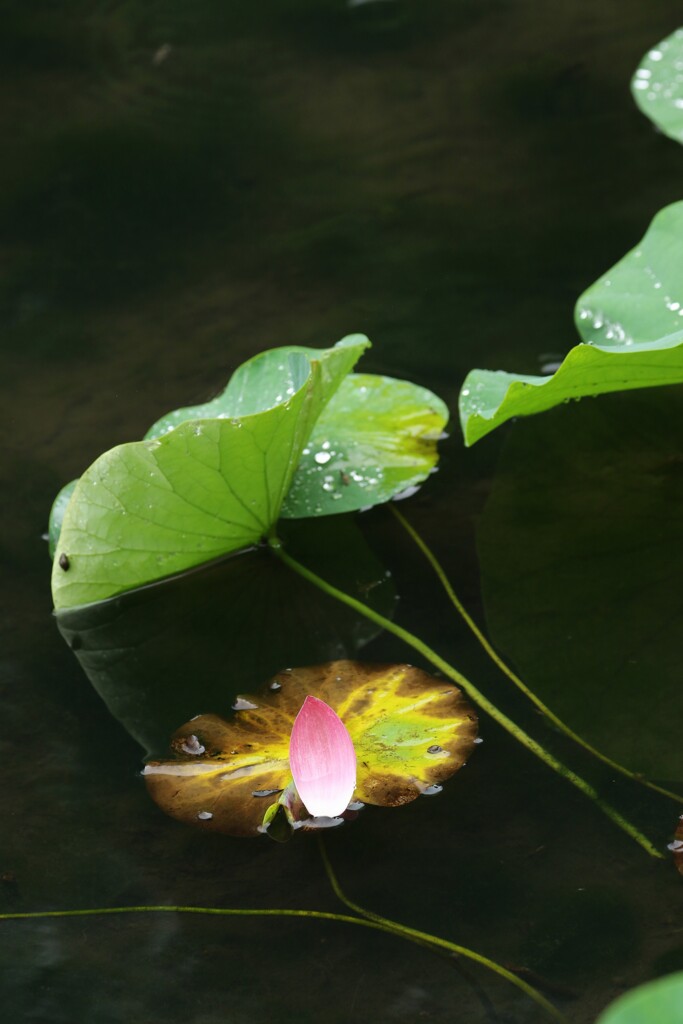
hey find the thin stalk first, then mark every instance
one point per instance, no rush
(519, 683)
(424, 938)
(366, 920)
(452, 673)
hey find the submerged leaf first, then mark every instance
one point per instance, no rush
(410, 733)
(631, 322)
(658, 85)
(579, 545)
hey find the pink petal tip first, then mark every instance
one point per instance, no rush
(322, 759)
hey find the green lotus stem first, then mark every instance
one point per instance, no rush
(433, 941)
(519, 683)
(367, 920)
(469, 688)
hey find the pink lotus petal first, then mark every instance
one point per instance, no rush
(322, 759)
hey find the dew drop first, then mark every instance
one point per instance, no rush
(191, 745)
(243, 705)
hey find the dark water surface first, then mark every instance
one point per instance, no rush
(184, 185)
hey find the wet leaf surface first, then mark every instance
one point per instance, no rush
(657, 85)
(630, 322)
(375, 440)
(201, 489)
(215, 478)
(410, 731)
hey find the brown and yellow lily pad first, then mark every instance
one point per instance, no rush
(410, 731)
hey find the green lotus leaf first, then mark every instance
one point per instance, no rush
(657, 85)
(291, 435)
(375, 440)
(411, 732)
(202, 489)
(631, 321)
(657, 1002)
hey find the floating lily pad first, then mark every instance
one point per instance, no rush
(631, 321)
(658, 85)
(658, 1002)
(410, 731)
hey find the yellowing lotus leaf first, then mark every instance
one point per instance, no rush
(410, 732)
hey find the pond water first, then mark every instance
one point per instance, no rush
(183, 186)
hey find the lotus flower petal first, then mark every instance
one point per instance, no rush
(322, 759)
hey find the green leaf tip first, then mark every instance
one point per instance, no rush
(657, 86)
(631, 324)
(659, 1000)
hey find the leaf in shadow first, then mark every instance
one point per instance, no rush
(163, 653)
(581, 550)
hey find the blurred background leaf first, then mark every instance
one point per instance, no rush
(580, 544)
